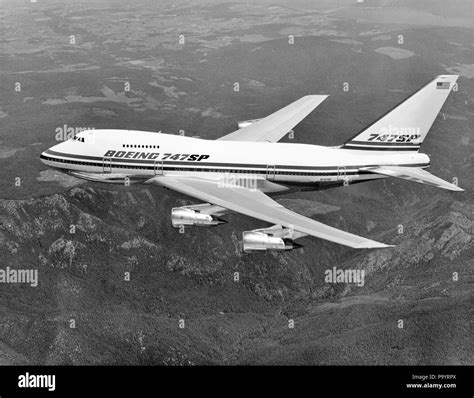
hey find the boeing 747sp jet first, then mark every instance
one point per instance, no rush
(236, 172)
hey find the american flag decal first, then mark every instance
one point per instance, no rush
(442, 85)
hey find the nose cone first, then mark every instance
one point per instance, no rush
(43, 157)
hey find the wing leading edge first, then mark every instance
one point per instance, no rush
(256, 204)
(275, 126)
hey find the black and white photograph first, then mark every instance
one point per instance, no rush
(237, 184)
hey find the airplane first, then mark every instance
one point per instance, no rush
(237, 173)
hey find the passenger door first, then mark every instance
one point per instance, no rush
(271, 171)
(158, 167)
(107, 165)
(341, 173)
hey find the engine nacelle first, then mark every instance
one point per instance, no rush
(253, 241)
(246, 123)
(183, 216)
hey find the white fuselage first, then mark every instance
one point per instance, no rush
(141, 154)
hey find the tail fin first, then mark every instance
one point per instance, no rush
(405, 127)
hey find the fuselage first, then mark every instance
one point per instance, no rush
(111, 154)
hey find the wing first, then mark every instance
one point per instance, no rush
(256, 204)
(274, 127)
(413, 174)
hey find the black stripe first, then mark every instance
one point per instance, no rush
(196, 169)
(67, 155)
(361, 148)
(209, 164)
(167, 166)
(383, 143)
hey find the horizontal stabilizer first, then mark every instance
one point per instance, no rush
(413, 174)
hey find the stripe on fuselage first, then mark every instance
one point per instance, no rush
(213, 164)
(251, 168)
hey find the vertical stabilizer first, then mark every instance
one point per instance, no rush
(405, 127)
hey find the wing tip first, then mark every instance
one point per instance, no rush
(450, 77)
(373, 245)
(317, 96)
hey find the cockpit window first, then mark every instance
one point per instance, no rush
(80, 139)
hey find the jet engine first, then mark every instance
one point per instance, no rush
(185, 216)
(246, 123)
(254, 241)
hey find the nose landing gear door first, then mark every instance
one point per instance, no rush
(158, 167)
(107, 165)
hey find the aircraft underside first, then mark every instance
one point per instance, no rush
(321, 183)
